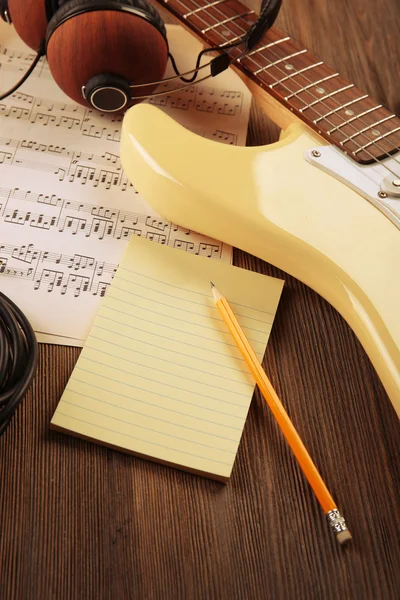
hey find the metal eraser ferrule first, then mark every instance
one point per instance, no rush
(336, 521)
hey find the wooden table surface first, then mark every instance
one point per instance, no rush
(78, 521)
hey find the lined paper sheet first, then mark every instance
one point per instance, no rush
(160, 375)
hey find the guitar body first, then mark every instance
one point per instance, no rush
(271, 202)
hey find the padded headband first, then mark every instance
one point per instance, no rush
(51, 7)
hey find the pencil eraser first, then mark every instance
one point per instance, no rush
(343, 537)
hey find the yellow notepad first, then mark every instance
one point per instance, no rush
(160, 375)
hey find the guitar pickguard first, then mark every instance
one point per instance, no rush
(377, 183)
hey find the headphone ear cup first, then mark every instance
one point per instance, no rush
(30, 20)
(82, 44)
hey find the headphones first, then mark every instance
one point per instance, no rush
(99, 50)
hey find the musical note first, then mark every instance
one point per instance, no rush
(67, 209)
(209, 250)
(25, 253)
(76, 283)
(181, 103)
(224, 136)
(23, 273)
(185, 245)
(56, 279)
(20, 62)
(100, 289)
(156, 223)
(106, 213)
(100, 222)
(202, 99)
(78, 261)
(5, 157)
(81, 281)
(101, 228)
(15, 112)
(228, 109)
(125, 233)
(156, 237)
(205, 106)
(60, 160)
(50, 200)
(73, 224)
(83, 174)
(24, 97)
(3, 264)
(230, 94)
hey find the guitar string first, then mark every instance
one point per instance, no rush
(345, 122)
(353, 127)
(319, 100)
(339, 105)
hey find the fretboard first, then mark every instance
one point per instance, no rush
(319, 96)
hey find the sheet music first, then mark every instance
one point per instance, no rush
(67, 210)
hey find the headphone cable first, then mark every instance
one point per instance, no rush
(266, 19)
(18, 358)
(215, 61)
(38, 56)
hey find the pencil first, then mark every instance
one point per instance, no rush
(335, 519)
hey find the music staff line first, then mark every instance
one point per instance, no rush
(84, 273)
(225, 102)
(87, 276)
(88, 124)
(67, 165)
(59, 151)
(80, 173)
(198, 98)
(102, 222)
(18, 61)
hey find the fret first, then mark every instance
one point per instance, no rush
(266, 46)
(206, 21)
(281, 60)
(326, 102)
(272, 85)
(340, 108)
(229, 20)
(311, 85)
(339, 91)
(381, 137)
(359, 116)
(268, 61)
(201, 8)
(361, 131)
(232, 41)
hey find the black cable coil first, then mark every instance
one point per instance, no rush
(18, 358)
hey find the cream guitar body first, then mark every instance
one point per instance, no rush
(273, 203)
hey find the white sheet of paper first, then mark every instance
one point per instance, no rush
(67, 209)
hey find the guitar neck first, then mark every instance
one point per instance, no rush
(316, 94)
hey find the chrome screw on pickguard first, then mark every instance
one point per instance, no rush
(396, 182)
(382, 194)
(316, 153)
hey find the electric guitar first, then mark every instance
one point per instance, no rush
(323, 203)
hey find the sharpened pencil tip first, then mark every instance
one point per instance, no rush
(217, 295)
